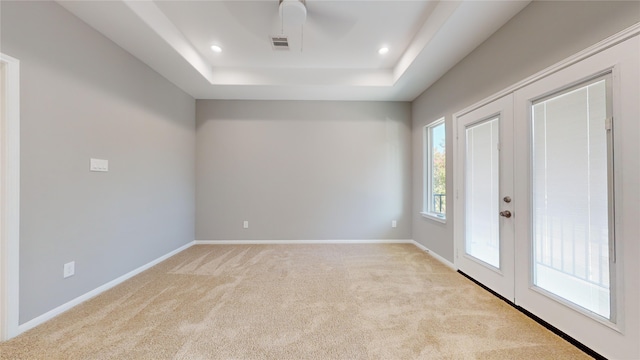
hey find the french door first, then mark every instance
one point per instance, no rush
(576, 176)
(484, 248)
(547, 194)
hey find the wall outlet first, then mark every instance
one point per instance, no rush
(69, 269)
(245, 224)
(394, 223)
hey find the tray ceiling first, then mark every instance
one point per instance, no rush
(332, 55)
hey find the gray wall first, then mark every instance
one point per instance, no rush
(81, 97)
(542, 34)
(303, 170)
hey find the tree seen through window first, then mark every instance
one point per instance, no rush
(438, 171)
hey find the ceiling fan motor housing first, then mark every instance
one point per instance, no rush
(293, 12)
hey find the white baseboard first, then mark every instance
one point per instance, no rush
(290, 242)
(435, 255)
(97, 291)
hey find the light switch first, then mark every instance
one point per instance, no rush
(99, 165)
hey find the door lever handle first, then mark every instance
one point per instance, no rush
(505, 213)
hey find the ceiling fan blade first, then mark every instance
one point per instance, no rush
(332, 23)
(260, 18)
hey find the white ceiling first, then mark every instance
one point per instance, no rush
(333, 56)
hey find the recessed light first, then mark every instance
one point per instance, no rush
(216, 48)
(383, 50)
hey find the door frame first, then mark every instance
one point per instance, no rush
(10, 199)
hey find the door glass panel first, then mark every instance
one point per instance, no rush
(482, 232)
(570, 201)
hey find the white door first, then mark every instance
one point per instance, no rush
(565, 149)
(484, 198)
(576, 182)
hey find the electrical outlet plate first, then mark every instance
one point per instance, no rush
(69, 269)
(393, 223)
(245, 224)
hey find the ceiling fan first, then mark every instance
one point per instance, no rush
(295, 13)
(292, 16)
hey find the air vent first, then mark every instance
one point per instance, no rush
(280, 42)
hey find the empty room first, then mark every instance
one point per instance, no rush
(319, 179)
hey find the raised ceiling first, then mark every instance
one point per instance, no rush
(332, 56)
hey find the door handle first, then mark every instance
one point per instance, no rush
(505, 213)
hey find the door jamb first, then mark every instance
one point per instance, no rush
(10, 200)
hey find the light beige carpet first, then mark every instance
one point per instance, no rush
(386, 301)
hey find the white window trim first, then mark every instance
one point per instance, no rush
(427, 168)
(431, 216)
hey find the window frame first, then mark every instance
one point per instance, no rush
(614, 316)
(427, 181)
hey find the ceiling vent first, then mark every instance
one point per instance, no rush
(280, 42)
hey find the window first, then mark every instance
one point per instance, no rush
(435, 194)
(482, 191)
(572, 195)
